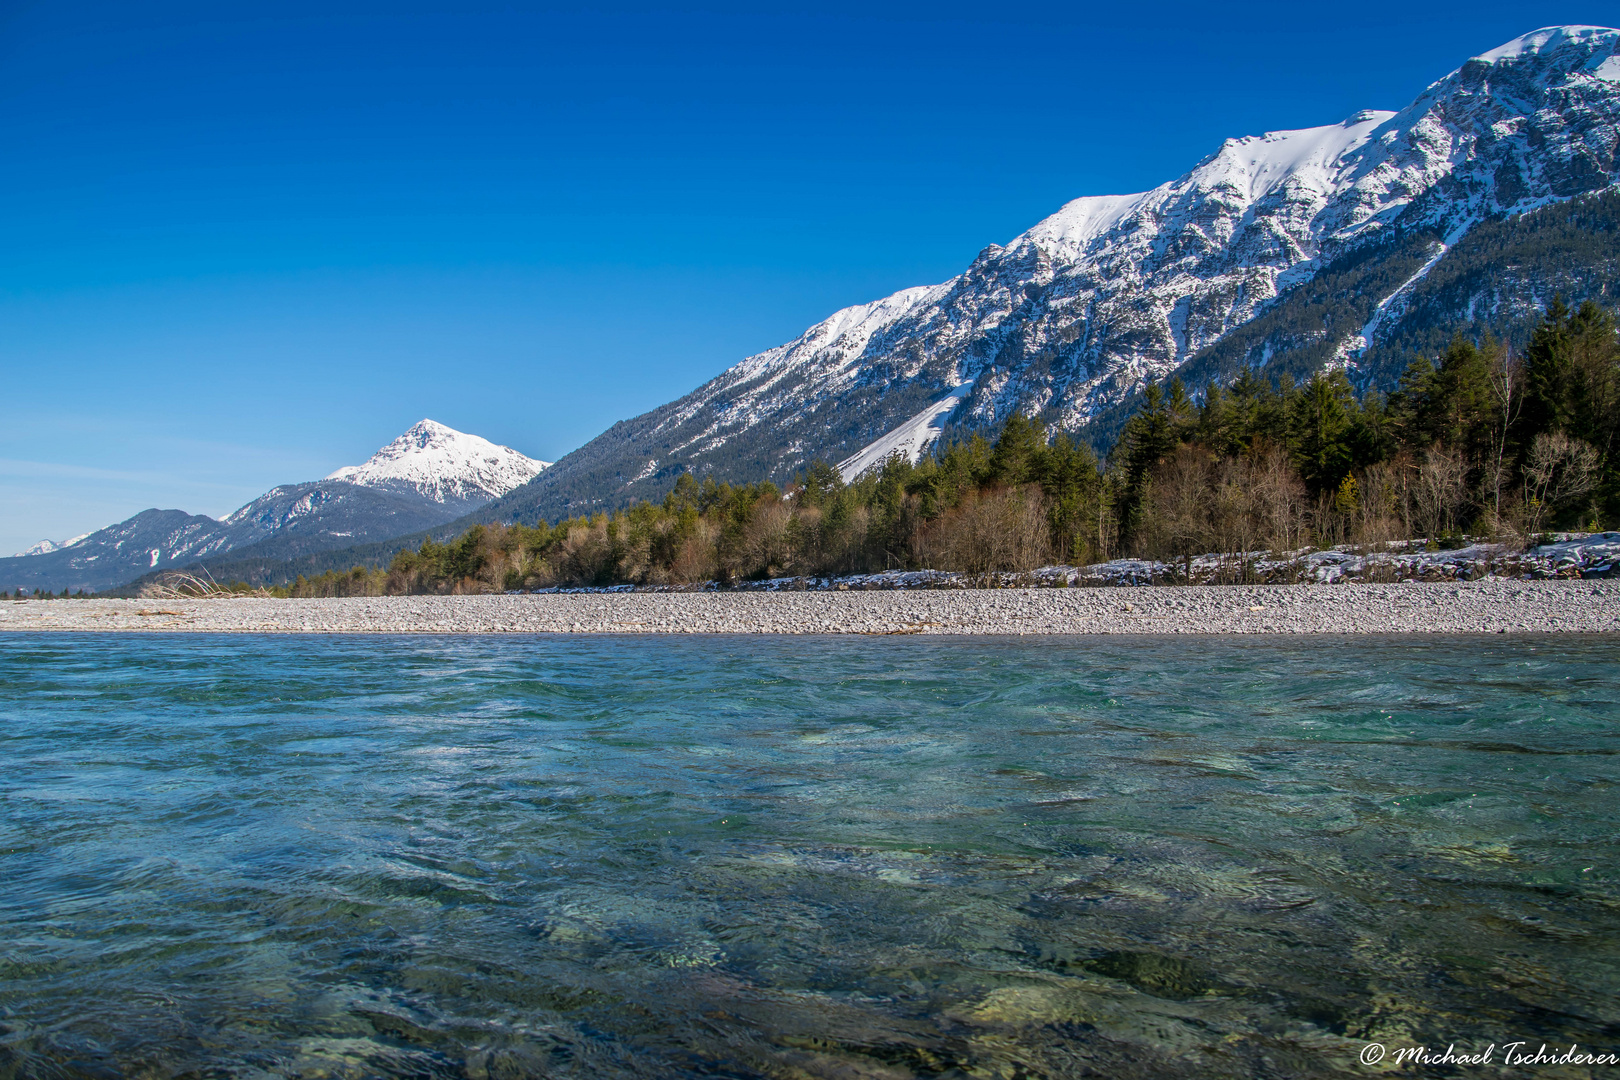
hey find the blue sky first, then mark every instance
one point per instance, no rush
(246, 244)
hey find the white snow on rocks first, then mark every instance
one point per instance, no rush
(910, 438)
(1567, 556)
(443, 464)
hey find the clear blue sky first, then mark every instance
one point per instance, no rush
(247, 243)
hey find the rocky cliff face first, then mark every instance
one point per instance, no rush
(1073, 317)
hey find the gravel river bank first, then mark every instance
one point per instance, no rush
(1492, 606)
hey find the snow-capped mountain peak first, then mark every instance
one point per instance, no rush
(1546, 40)
(444, 465)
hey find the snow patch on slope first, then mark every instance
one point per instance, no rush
(910, 438)
(1253, 167)
(1608, 70)
(1259, 164)
(1357, 344)
(443, 464)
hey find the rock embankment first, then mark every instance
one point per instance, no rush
(1493, 606)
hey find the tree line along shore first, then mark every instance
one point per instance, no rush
(1482, 441)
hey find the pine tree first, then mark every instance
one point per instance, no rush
(1322, 430)
(1148, 437)
(1017, 452)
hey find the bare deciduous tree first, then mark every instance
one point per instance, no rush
(1004, 529)
(1281, 499)
(1383, 510)
(1559, 471)
(1440, 491)
(1506, 382)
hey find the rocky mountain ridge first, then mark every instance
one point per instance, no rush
(1072, 318)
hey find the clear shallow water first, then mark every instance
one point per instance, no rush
(502, 857)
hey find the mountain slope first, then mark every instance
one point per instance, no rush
(426, 477)
(1497, 280)
(1500, 278)
(285, 521)
(1073, 317)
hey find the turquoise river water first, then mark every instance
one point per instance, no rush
(802, 857)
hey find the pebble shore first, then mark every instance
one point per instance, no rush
(1491, 606)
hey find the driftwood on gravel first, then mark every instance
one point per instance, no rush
(185, 585)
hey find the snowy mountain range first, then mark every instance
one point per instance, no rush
(429, 475)
(1072, 318)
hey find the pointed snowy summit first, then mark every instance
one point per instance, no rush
(45, 547)
(444, 465)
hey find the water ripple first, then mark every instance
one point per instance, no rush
(603, 857)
